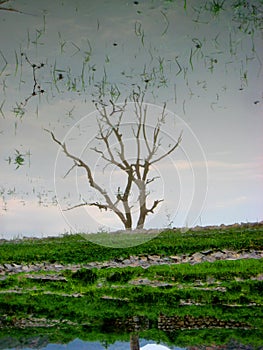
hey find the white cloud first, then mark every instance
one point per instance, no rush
(232, 202)
(154, 347)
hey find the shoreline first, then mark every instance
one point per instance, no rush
(152, 231)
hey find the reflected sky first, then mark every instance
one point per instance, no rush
(78, 344)
(203, 61)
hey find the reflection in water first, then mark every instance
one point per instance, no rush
(200, 57)
(139, 344)
(154, 347)
(134, 342)
(78, 344)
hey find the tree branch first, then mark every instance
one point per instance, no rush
(144, 129)
(96, 204)
(73, 166)
(146, 152)
(80, 163)
(148, 181)
(155, 203)
(170, 151)
(115, 129)
(105, 139)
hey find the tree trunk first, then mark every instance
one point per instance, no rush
(142, 200)
(134, 342)
(142, 217)
(128, 224)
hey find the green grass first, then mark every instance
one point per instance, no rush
(222, 272)
(77, 249)
(93, 298)
(198, 283)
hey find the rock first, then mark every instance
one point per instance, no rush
(143, 258)
(93, 264)
(134, 258)
(141, 281)
(198, 283)
(58, 267)
(166, 260)
(175, 258)
(153, 257)
(259, 277)
(46, 278)
(77, 295)
(232, 255)
(196, 258)
(210, 258)
(207, 252)
(126, 261)
(8, 267)
(218, 255)
(109, 297)
(25, 268)
(17, 266)
(186, 259)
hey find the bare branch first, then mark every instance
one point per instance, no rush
(148, 181)
(100, 206)
(116, 109)
(155, 203)
(105, 158)
(96, 204)
(76, 206)
(162, 119)
(144, 129)
(73, 166)
(137, 136)
(156, 142)
(170, 151)
(110, 130)
(80, 163)
(115, 129)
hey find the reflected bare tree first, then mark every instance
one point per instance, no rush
(148, 150)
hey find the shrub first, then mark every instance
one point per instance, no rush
(120, 276)
(85, 276)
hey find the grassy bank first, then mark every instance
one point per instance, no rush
(222, 299)
(77, 249)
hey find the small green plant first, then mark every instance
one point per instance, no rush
(216, 6)
(85, 276)
(122, 275)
